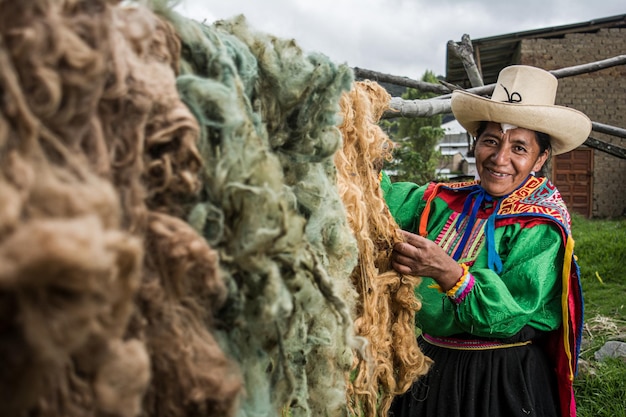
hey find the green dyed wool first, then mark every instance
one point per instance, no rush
(269, 114)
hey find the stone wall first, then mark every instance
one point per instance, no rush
(601, 95)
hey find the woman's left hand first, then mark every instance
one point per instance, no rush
(423, 257)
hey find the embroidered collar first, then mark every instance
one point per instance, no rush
(536, 197)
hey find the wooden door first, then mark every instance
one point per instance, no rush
(572, 174)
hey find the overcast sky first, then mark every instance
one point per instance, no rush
(399, 37)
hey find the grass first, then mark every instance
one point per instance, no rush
(601, 252)
(603, 392)
(600, 387)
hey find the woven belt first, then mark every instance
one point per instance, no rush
(469, 344)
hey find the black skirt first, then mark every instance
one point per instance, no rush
(511, 381)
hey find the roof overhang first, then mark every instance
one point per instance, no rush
(496, 52)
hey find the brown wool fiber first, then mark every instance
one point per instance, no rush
(68, 271)
(156, 166)
(385, 313)
(105, 293)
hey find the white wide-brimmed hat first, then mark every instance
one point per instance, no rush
(524, 96)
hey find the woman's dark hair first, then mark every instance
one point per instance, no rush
(543, 139)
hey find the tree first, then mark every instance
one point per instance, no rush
(415, 157)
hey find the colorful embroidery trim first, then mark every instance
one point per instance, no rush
(469, 344)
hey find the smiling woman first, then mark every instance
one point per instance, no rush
(505, 156)
(501, 301)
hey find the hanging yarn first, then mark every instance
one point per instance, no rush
(269, 116)
(387, 304)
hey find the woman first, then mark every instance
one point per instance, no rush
(497, 260)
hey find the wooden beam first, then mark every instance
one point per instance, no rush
(609, 130)
(559, 73)
(487, 89)
(398, 80)
(465, 52)
(609, 148)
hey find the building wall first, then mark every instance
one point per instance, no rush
(601, 95)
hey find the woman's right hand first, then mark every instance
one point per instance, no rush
(423, 257)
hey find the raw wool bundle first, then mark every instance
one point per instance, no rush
(299, 101)
(271, 208)
(191, 374)
(386, 311)
(89, 114)
(153, 139)
(68, 271)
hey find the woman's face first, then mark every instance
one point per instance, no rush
(505, 159)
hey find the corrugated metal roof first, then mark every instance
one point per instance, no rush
(496, 52)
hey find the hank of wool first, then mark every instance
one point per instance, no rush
(385, 314)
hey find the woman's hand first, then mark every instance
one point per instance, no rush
(420, 256)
